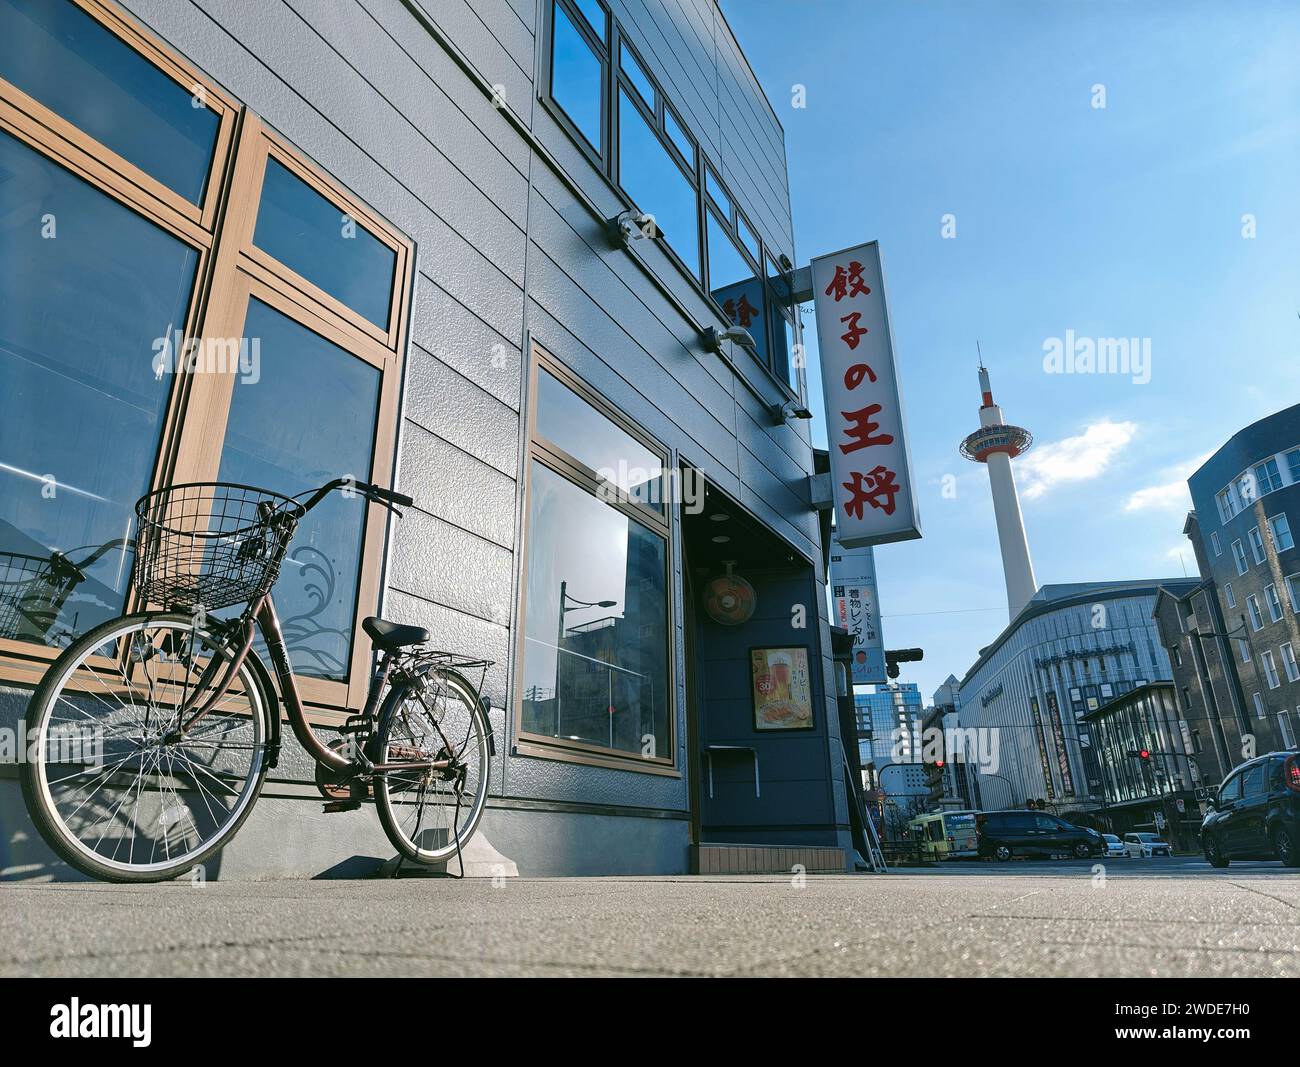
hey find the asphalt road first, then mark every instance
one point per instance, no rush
(1136, 918)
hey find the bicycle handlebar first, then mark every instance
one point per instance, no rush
(374, 493)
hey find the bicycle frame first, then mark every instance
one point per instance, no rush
(262, 613)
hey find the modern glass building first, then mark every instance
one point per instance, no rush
(1072, 649)
(480, 252)
(883, 711)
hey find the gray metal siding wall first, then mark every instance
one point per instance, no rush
(505, 250)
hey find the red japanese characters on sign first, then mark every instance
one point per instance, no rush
(870, 465)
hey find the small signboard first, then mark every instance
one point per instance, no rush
(853, 589)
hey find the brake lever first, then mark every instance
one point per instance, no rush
(385, 503)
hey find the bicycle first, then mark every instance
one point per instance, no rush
(182, 717)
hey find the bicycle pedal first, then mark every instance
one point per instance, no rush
(341, 805)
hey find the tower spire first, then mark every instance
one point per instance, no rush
(996, 444)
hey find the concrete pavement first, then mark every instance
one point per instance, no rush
(1140, 918)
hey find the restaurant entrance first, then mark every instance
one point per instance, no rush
(758, 729)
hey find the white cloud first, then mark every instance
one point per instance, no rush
(1169, 494)
(1073, 459)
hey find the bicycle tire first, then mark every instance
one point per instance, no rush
(385, 804)
(36, 790)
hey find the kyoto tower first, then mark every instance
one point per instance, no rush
(995, 444)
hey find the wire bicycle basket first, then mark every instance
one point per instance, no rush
(210, 544)
(33, 590)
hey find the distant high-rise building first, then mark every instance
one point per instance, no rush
(996, 444)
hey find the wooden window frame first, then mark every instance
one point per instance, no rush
(525, 743)
(231, 270)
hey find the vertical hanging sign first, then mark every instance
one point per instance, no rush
(853, 588)
(871, 467)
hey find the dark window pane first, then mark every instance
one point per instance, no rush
(594, 673)
(783, 348)
(656, 184)
(576, 78)
(637, 76)
(307, 416)
(679, 137)
(570, 423)
(735, 287)
(716, 192)
(594, 14)
(310, 235)
(88, 290)
(56, 53)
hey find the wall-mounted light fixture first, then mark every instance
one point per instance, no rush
(791, 409)
(712, 339)
(632, 225)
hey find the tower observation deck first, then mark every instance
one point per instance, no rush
(995, 444)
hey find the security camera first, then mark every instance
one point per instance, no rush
(737, 335)
(631, 225)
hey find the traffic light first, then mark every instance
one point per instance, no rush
(1144, 754)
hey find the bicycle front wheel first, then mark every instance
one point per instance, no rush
(430, 814)
(111, 785)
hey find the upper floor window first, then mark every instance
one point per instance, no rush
(1239, 557)
(1214, 543)
(1289, 662)
(1229, 595)
(1293, 590)
(1256, 616)
(1224, 500)
(1256, 544)
(604, 93)
(1281, 532)
(1267, 477)
(1274, 602)
(1270, 669)
(579, 47)
(1293, 464)
(653, 176)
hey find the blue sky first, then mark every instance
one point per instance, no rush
(1122, 221)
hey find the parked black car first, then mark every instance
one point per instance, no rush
(1003, 834)
(1256, 814)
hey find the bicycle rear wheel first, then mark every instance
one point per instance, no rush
(429, 815)
(108, 786)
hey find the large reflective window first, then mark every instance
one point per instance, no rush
(88, 292)
(596, 622)
(576, 81)
(734, 285)
(656, 184)
(58, 55)
(570, 423)
(310, 235)
(305, 413)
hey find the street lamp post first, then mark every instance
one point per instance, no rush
(559, 639)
